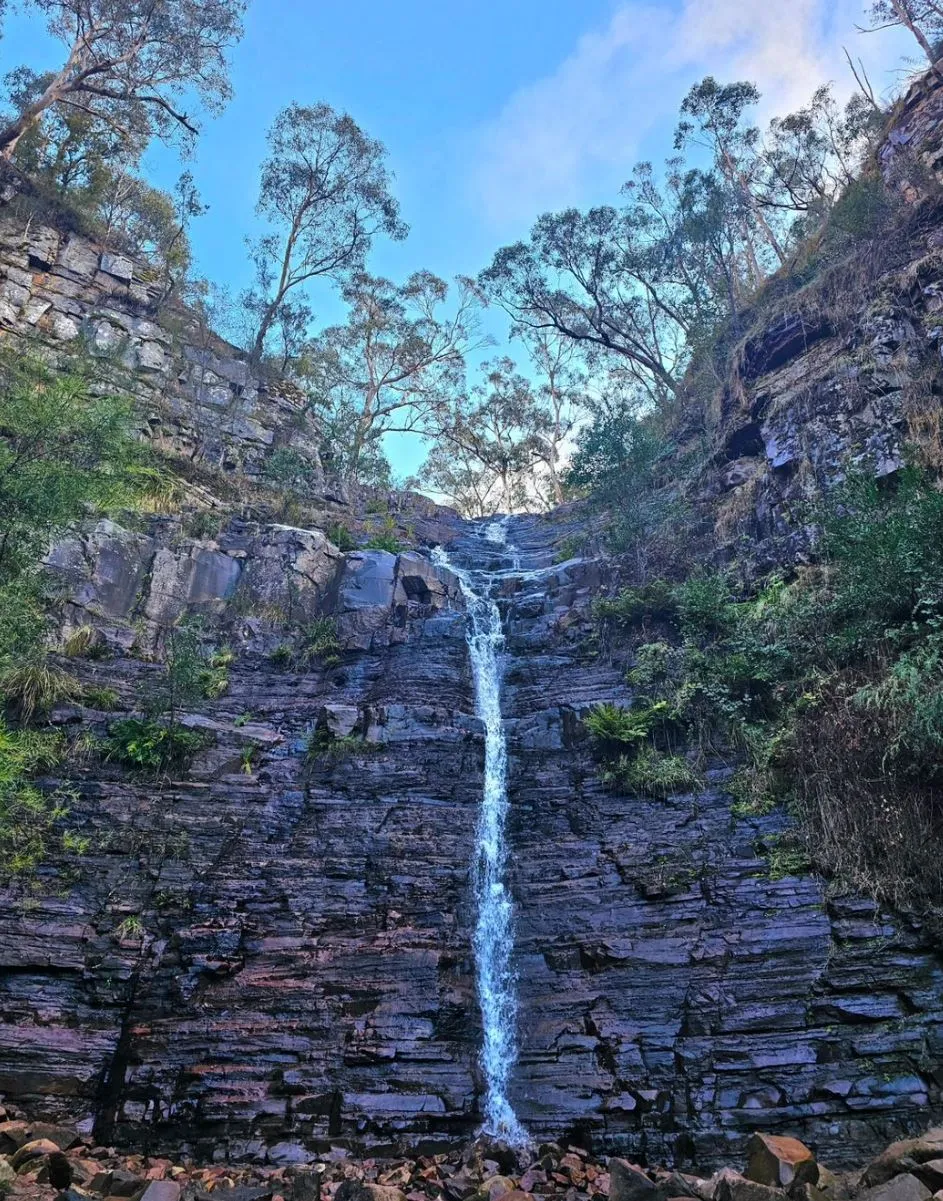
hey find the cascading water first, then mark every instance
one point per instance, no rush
(494, 933)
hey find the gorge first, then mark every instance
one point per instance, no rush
(386, 889)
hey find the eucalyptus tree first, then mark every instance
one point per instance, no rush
(130, 65)
(922, 18)
(487, 442)
(394, 364)
(325, 192)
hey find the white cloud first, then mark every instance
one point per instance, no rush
(572, 137)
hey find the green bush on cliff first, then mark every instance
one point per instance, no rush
(828, 687)
(30, 816)
(151, 745)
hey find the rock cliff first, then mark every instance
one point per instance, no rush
(297, 967)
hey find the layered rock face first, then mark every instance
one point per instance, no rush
(197, 397)
(835, 373)
(273, 948)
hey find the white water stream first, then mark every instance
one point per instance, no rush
(494, 930)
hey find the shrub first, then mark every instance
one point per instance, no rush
(341, 536)
(385, 540)
(319, 642)
(150, 745)
(614, 727)
(204, 523)
(654, 601)
(29, 816)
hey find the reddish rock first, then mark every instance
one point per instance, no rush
(777, 1160)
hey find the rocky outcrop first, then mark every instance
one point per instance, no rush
(835, 370)
(60, 291)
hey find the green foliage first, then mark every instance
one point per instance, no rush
(616, 465)
(287, 469)
(863, 209)
(319, 642)
(653, 773)
(828, 686)
(30, 818)
(150, 745)
(570, 548)
(341, 536)
(63, 448)
(323, 746)
(106, 700)
(614, 727)
(282, 656)
(193, 672)
(204, 523)
(36, 686)
(655, 601)
(787, 857)
(386, 538)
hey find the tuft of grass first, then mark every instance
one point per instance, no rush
(653, 773)
(106, 700)
(34, 687)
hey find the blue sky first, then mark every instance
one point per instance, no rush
(492, 111)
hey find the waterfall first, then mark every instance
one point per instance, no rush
(494, 932)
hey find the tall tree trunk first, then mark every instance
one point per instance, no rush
(902, 8)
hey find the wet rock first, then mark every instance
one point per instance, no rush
(778, 1161)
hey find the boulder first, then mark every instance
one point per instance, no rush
(930, 1174)
(31, 1153)
(901, 1188)
(357, 1190)
(899, 1157)
(159, 1190)
(287, 1153)
(306, 1186)
(7, 1177)
(731, 1186)
(778, 1161)
(629, 1183)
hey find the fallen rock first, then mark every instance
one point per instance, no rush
(629, 1183)
(901, 1188)
(900, 1157)
(7, 1176)
(778, 1161)
(930, 1174)
(159, 1190)
(116, 1183)
(31, 1154)
(731, 1186)
(357, 1190)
